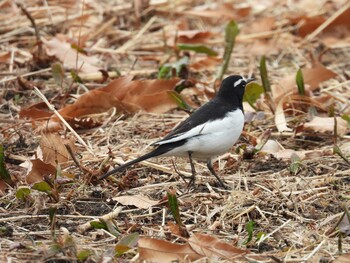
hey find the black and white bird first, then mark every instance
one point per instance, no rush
(207, 133)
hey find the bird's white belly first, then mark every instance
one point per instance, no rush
(212, 142)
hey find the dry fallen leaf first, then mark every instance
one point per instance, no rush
(54, 150)
(312, 79)
(280, 118)
(156, 250)
(36, 112)
(39, 170)
(307, 24)
(206, 64)
(64, 52)
(139, 201)
(122, 93)
(325, 125)
(193, 36)
(211, 247)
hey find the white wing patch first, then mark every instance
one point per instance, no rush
(238, 82)
(231, 119)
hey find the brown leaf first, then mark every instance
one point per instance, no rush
(260, 25)
(194, 36)
(312, 78)
(125, 95)
(156, 250)
(178, 230)
(211, 247)
(64, 52)
(139, 201)
(326, 125)
(206, 64)
(39, 170)
(36, 111)
(307, 24)
(54, 149)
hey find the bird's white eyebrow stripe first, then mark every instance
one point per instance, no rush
(238, 82)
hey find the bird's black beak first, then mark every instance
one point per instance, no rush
(250, 80)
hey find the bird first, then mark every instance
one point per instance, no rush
(207, 133)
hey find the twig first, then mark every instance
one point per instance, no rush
(51, 107)
(85, 227)
(274, 231)
(37, 35)
(313, 251)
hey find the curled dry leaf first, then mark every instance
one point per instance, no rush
(280, 118)
(53, 148)
(122, 93)
(312, 78)
(211, 247)
(156, 250)
(64, 52)
(139, 201)
(326, 125)
(193, 36)
(38, 170)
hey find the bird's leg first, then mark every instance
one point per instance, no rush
(211, 169)
(193, 171)
(183, 177)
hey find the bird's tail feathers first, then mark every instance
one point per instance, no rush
(156, 152)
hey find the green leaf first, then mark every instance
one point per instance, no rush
(84, 254)
(4, 174)
(260, 235)
(179, 100)
(166, 71)
(198, 49)
(300, 82)
(22, 192)
(295, 163)
(347, 118)
(263, 75)
(252, 93)
(42, 187)
(57, 73)
(174, 207)
(75, 77)
(98, 225)
(120, 249)
(231, 32)
(126, 243)
(250, 229)
(112, 228)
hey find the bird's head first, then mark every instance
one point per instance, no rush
(232, 89)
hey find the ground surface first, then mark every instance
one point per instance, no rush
(295, 201)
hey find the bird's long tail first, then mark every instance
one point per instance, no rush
(156, 152)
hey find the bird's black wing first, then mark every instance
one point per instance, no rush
(214, 109)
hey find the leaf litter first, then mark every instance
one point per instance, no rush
(289, 191)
